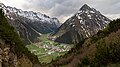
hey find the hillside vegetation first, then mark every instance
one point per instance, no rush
(101, 50)
(12, 51)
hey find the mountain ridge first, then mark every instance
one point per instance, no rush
(86, 22)
(29, 24)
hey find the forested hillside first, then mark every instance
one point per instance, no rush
(12, 51)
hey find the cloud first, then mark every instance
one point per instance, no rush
(13, 3)
(63, 9)
(54, 8)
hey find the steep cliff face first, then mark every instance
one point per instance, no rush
(13, 52)
(85, 23)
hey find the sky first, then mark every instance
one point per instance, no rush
(64, 9)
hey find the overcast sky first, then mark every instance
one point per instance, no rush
(63, 9)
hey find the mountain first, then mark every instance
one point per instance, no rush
(13, 52)
(85, 23)
(29, 24)
(101, 50)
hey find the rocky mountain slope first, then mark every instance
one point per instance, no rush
(101, 50)
(12, 51)
(85, 23)
(29, 24)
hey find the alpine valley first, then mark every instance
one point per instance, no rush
(28, 24)
(33, 39)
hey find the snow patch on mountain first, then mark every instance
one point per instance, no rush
(83, 24)
(34, 16)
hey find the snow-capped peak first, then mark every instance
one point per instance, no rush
(29, 24)
(86, 9)
(34, 16)
(85, 23)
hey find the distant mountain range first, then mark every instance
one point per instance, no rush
(83, 24)
(29, 24)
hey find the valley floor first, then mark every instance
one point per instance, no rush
(47, 50)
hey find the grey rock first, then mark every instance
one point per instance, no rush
(85, 23)
(28, 24)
